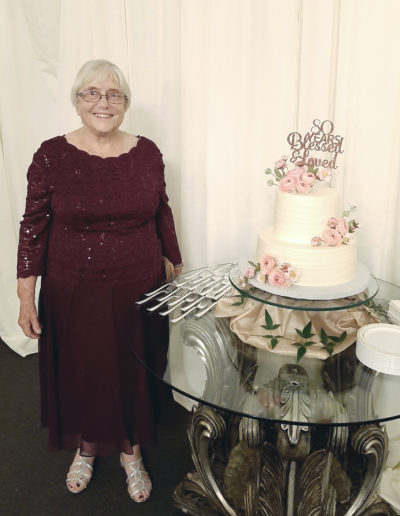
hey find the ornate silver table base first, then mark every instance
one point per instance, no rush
(256, 467)
(239, 470)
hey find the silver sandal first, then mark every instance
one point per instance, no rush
(138, 479)
(80, 472)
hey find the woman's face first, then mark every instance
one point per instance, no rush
(101, 118)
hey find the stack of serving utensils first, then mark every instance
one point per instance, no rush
(194, 292)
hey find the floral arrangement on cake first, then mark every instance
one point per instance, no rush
(300, 179)
(339, 231)
(269, 270)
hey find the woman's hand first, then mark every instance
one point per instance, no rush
(28, 319)
(171, 271)
(178, 269)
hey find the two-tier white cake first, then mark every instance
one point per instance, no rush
(298, 218)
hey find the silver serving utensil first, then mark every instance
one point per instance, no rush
(165, 299)
(191, 296)
(201, 305)
(178, 281)
(165, 289)
(221, 295)
(210, 293)
(187, 295)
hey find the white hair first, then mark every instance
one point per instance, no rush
(99, 69)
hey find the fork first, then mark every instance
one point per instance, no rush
(210, 293)
(176, 282)
(217, 298)
(201, 305)
(191, 296)
(165, 299)
(167, 290)
(188, 294)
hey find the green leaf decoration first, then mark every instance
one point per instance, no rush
(241, 302)
(255, 266)
(268, 318)
(268, 171)
(342, 336)
(324, 337)
(274, 342)
(328, 349)
(301, 352)
(307, 330)
(275, 326)
(308, 343)
(299, 333)
(298, 344)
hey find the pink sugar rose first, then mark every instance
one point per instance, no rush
(316, 241)
(267, 263)
(331, 237)
(342, 227)
(296, 172)
(278, 279)
(288, 183)
(333, 222)
(249, 273)
(308, 177)
(281, 162)
(303, 188)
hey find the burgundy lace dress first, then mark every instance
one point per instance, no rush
(96, 229)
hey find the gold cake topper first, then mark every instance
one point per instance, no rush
(320, 138)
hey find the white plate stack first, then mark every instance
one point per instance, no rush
(394, 311)
(378, 347)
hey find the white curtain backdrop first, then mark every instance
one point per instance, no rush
(218, 85)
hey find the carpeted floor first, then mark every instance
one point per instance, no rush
(32, 479)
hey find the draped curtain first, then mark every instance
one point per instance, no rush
(218, 85)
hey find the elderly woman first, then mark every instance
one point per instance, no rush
(96, 228)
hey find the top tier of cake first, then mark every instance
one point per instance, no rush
(298, 218)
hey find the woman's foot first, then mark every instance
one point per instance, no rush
(138, 480)
(79, 473)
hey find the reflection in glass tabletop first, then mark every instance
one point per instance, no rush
(208, 363)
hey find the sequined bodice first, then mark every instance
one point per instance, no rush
(88, 216)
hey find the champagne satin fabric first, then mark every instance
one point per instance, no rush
(247, 320)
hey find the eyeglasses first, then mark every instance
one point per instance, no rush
(94, 96)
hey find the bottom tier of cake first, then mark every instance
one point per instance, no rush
(317, 266)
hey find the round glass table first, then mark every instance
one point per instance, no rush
(271, 435)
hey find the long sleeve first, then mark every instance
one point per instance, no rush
(35, 225)
(166, 226)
